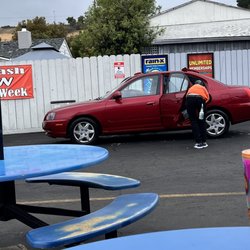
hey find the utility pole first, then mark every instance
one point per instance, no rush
(1, 134)
(54, 15)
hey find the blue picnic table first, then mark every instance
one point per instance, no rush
(216, 238)
(21, 162)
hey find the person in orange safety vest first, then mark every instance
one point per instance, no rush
(196, 99)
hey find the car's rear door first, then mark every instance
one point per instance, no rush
(172, 100)
(138, 109)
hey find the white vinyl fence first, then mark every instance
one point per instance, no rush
(78, 79)
(82, 79)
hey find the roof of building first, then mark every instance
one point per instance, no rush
(192, 1)
(200, 40)
(10, 49)
(42, 51)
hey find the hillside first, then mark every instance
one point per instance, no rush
(6, 34)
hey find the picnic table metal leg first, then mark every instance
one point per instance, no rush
(85, 202)
(111, 235)
(24, 217)
(51, 210)
(7, 196)
(10, 210)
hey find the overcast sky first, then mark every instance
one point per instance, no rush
(13, 11)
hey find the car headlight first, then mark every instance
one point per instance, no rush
(50, 116)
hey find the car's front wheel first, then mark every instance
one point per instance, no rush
(84, 131)
(217, 123)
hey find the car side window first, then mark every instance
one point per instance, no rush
(147, 85)
(176, 82)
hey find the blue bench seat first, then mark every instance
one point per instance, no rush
(122, 211)
(85, 181)
(92, 180)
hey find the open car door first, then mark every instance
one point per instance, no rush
(173, 99)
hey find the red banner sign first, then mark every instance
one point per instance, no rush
(203, 63)
(16, 82)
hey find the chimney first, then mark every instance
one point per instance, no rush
(24, 39)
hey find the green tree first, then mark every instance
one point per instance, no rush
(71, 21)
(80, 22)
(76, 24)
(39, 28)
(244, 3)
(116, 27)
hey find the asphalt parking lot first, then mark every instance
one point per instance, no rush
(197, 188)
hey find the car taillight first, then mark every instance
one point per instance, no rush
(247, 91)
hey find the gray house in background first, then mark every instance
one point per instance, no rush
(42, 51)
(27, 49)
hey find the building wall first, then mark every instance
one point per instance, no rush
(231, 59)
(64, 49)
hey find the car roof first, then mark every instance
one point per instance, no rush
(183, 70)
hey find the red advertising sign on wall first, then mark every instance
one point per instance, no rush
(203, 63)
(16, 82)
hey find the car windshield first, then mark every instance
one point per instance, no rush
(113, 90)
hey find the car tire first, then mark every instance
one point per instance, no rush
(84, 131)
(217, 123)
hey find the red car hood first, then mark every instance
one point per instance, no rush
(79, 104)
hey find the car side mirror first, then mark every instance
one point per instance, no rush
(117, 95)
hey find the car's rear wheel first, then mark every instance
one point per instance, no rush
(217, 123)
(84, 131)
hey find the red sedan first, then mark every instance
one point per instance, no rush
(148, 102)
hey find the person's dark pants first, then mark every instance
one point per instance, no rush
(193, 104)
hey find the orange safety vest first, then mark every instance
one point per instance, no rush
(197, 89)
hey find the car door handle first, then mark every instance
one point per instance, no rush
(151, 103)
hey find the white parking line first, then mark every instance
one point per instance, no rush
(200, 195)
(162, 196)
